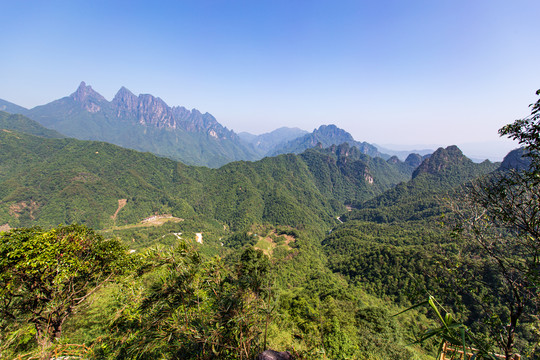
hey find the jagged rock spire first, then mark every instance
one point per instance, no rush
(89, 99)
(85, 92)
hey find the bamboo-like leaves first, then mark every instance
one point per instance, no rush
(450, 332)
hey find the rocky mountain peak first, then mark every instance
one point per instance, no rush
(148, 110)
(125, 101)
(332, 131)
(195, 121)
(413, 160)
(123, 94)
(154, 111)
(85, 92)
(88, 98)
(180, 112)
(440, 160)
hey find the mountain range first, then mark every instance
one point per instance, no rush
(147, 123)
(325, 135)
(144, 123)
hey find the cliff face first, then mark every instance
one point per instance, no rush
(148, 110)
(125, 103)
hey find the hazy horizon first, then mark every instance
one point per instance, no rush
(492, 150)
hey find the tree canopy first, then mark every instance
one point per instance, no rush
(45, 274)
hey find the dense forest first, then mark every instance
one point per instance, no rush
(108, 253)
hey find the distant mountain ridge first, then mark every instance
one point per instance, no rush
(148, 110)
(11, 108)
(326, 135)
(419, 198)
(23, 124)
(144, 123)
(267, 142)
(147, 123)
(402, 154)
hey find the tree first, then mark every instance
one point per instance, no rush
(527, 132)
(46, 274)
(195, 309)
(499, 216)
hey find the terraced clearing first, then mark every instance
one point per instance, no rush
(268, 243)
(156, 220)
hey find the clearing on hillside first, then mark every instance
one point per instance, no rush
(155, 220)
(121, 204)
(268, 243)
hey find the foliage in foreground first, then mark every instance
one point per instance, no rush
(46, 274)
(499, 221)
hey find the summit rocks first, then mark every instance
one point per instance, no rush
(440, 160)
(89, 99)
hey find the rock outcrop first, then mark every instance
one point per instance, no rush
(274, 355)
(89, 99)
(148, 110)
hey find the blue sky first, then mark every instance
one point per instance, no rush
(404, 72)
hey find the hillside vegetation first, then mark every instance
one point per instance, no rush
(52, 181)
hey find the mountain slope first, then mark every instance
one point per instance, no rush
(351, 176)
(11, 108)
(393, 244)
(23, 124)
(516, 160)
(417, 198)
(143, 123)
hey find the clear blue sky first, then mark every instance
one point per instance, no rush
(404, 72)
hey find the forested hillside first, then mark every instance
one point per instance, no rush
(271, 213)
(421, 197)
(407, 244)
(393, 243)
(52, 181)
